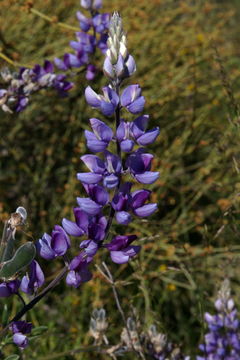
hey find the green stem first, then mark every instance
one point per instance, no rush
(52, 21)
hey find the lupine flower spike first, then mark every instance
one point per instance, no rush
(222, 341)
(19, 86)
(104, 180)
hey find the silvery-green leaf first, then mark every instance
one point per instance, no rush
(22, 258)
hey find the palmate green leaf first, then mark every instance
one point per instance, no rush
(22, 258)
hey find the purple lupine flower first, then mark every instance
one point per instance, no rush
(97, 193)
(89, 206)
(138, 205)
(72, 61)
(33, 280)
(86, 43)
(121, 250)
(123, 136)
(91, 72)
(137, 131)
(101, 136)
(139, 165)
(91, 4)
(87, 4)
(89, 222)
(132, 99)
(79, 227)
(9, 288)
(124, 201)
(121, 204)
(21, 85)
(222, 342)
(107, 171)
(101, 22)
(102, 43)
(55, 245)
(19, 329)
(106, 103)
(84, 22)
(78, 270)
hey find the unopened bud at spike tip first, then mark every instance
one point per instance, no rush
(22, 212)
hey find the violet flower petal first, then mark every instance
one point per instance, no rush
(145, 210)
(123, 217)
(89, 177)
(94, 163)
(101, 130)
(72, 228)
(89, 206)
(20, 340)
(92, 98)
(149, 137)
(137, 106)
(148, 177)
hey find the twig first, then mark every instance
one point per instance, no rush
(21, 298)
(108, 276)
(52, 20)
(227, 84)
(34, 301)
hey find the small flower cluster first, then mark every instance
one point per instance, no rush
(160, 348)
(86, 43)
(150, 343)
(19, 86)
(222, 342)
(98, 325)
(103, 182)
(19, 330)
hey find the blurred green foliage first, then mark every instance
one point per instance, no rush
(188, 64)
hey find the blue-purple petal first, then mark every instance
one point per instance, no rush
(92, 98)
(4, 290)
(145, 210)
(123, 217)
(94, 163)
(89, 206)
(72, 228)
(89, 178)
(139, 126)
(148, 177)
(127, 145)
(149, 137)
(137, 106)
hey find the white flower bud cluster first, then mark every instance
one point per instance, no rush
(224, 301)
(117, 40)
(98, 325)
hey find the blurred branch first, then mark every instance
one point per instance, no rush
(12, 62)
(108, 276)
(52, 20)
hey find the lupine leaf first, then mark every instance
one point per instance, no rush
(23, 257)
